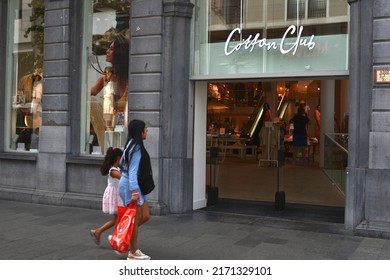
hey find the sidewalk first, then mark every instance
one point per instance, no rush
(32, 231)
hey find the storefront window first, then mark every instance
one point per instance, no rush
(305, 37)
(295, 6)
(24, 74)
(227, 12)
(317, 8)
(106, 63)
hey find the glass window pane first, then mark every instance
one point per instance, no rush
(254, 13)
(270, 39)
(225, 12)
(24, 70)
(293, 7)
(338, 8)
(317, 8)
(276, 12)
(106, 66)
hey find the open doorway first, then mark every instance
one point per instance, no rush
(248, 150)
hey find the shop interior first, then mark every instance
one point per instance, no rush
(242, 148)
(26, 114)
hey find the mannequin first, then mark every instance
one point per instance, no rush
(108, 100)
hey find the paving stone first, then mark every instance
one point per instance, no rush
(33, 231)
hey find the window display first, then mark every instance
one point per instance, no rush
(106, 67)
(24, 74)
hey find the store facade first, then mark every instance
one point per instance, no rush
(55, 135)
(176, 49)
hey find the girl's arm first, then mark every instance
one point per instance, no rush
(115, 174)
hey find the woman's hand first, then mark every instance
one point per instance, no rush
(135, 196)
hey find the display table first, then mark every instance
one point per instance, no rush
(226, 144)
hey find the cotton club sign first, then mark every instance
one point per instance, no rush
(257, 42)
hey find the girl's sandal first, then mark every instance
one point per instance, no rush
(95, 237)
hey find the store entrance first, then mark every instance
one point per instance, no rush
(249, 124)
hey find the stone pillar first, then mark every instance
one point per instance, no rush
(3, 46)
(360, 68)
(159, 95)
(176, 126)
(145, 84)
(55, 133)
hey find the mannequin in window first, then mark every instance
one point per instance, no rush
(29, 94)
(115, 82)
(36, 102)
(108, 99)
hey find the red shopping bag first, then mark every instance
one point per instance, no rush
(120, 240)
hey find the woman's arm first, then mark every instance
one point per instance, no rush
(98, 86)
(133, 170)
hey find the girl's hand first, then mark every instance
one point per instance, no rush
(135, 196)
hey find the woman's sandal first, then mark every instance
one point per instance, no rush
(95, 237)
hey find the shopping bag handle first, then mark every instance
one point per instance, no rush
(132, 204)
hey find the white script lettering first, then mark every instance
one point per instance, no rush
(299, 42)
(250, 43)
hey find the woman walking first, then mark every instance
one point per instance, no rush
(129, 189)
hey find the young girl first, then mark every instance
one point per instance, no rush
(111, 198)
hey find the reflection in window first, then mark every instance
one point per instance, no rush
(107, 75)
(293, 7)
(24, 71)
(227, 10)
(317, 8)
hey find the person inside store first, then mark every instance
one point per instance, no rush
(267, 113)
(117, 81)
(300, 135)
(227, 125)
(306, 108)
(129, 189)
(317, 124)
